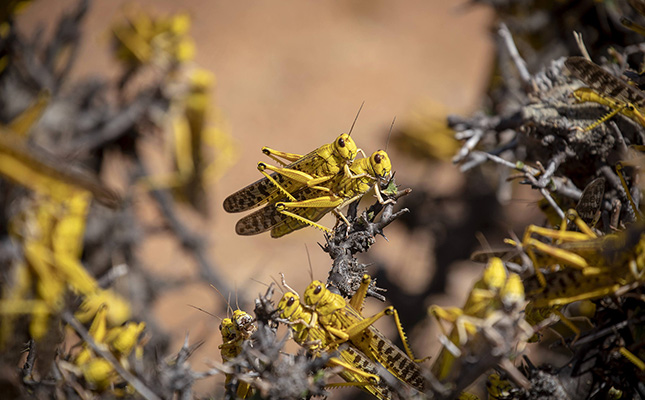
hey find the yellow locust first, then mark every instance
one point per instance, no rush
(595, 267)
(482, 301)
(610, 265)
(491, 324)
(309, 170)
(607, 90)
(309, 205)
(357, 369)
(235, 331)
(345, 321)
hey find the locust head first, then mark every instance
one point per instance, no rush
(345, 147)
(244, 323)
(324, 300)
(228, 330)
(289, 306)
(380, 164)
(314, 293)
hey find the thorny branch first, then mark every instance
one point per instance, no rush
(346, 241)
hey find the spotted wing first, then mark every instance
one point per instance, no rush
(268, 217)
(264, 191)
(356, 358)
(604, 83)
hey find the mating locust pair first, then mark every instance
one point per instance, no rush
(301, 193)
(322, 321)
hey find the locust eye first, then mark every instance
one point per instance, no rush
(377, 158)
(341, 142)
(220, 327)
(291, 301)
(318, 289)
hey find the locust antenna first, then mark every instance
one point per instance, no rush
(284, 283)
(311, 270)
(228, 302)
(278, 285)
(204, 311)
(356, 118)
(387, 142)
(260, 282)
(236, 304)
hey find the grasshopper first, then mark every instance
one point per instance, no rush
(235, 330)
(593, 268)
(308, 170)
(121, 341)
(571, 250)
(357, 368)
(607, 90)
(345, 321)
(50, 231)
(490, 336)
(193, 131)
(481, 302)
(144, 40)
(621, 260)
(42, 172)
(284, 217)
(619, 265)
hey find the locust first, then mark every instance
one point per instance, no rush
(482, 301)
(308, 170)
(50, 230)
(580, 266)
(43, 172)
(121, 341)
(606, 89)
(604, 266)
(345, 321)
(619, 267)
(235, 330)
(489, 328)
(194, 130)
(357, 369)
(311, 204)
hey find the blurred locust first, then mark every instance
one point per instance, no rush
(121, 341)
(49, 229)
(191, 137)
(345, 321)
(311, 204)
(357, 369)
(482, 301)
(489, 325)
(145, 40)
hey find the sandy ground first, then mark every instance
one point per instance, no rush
(291, 75)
